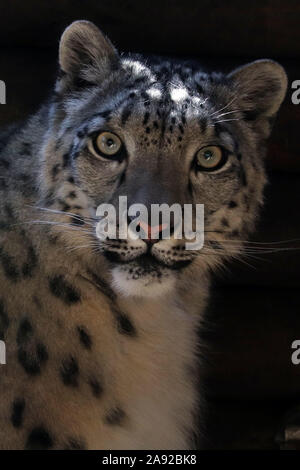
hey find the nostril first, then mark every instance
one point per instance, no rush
(152, 234)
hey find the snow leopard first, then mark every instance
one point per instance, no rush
(102, 335)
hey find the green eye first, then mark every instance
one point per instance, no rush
(210, 158)
(107, 144)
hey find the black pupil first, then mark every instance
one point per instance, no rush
(208, 155)
(110, 142)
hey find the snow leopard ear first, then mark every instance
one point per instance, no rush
(86, 56)
(260, 88)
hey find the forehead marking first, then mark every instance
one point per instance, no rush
(178, 94)
(146, 118)
(126, 113)
(154, 93)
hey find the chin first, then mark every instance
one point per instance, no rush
(133, 280)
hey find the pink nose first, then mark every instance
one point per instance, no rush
(151, 232)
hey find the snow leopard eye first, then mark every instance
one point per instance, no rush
(107, 144)
(210, 158)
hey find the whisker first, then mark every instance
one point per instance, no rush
(228, 112)
(57, 211)
(78, 247)
(58, 224)
(224, 107)
(223, 120)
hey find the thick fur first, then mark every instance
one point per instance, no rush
(101, 347)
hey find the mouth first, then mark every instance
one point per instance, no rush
(146, 262)
(147, 274)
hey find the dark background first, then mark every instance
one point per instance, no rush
(250, 381)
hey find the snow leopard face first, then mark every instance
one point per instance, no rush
(157, 131)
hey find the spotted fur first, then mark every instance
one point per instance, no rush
(102, 336)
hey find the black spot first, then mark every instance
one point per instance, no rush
(232, 204)
(84, 337)
(30, 365)
(115, 416)
(146, 118)
(25, 332)
(200, 89)
(69, 372)
(124, 324)
(148, 130)
(96, 387)
(4, 320)
(39, 439)
(17, 413)
(102, 286)
(146, 99)
(224, 222)
(122, 178)
(63, 290)
(10, 269)
(66, 160)
(81, 133)
(126, 113)
(243, 177)
(239, 156)
(140, 79)
(31, 362)
(72, 195)
(41, 352)
(251, 115)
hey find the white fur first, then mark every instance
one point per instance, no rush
(143, 287)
